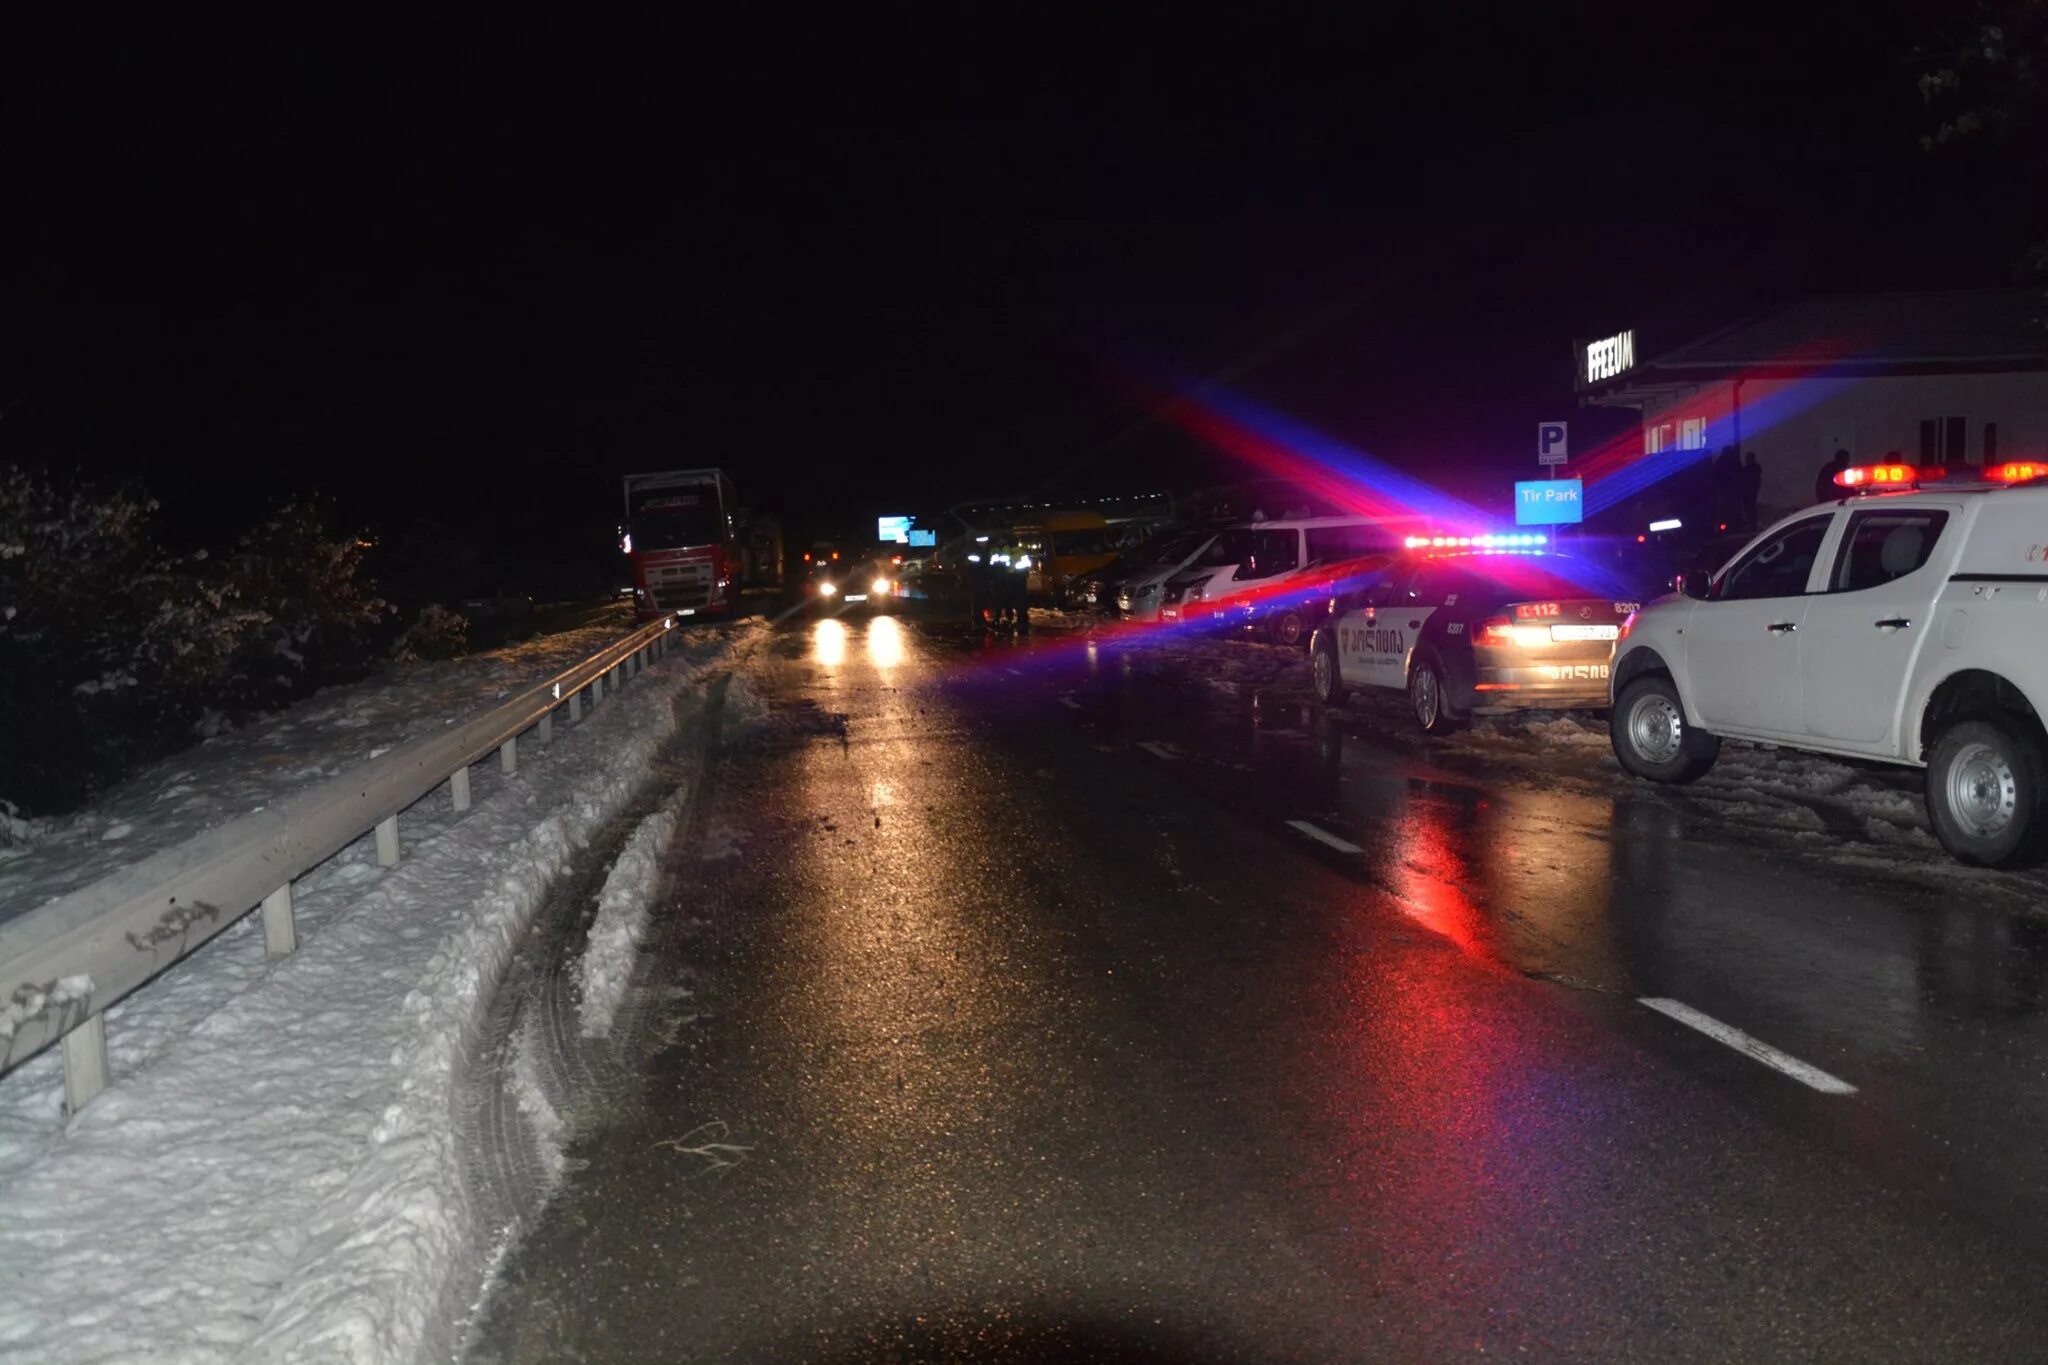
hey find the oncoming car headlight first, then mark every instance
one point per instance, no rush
(828, 589)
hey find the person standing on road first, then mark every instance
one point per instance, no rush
(980, 582)
(1017, 586)
(1824, 487)
(1727, 485)
(1752, 489)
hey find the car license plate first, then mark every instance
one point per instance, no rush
(1574, 672)
(1584, 632)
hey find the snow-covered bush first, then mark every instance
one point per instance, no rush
(111, 647)
(436, 633)
(317, 619)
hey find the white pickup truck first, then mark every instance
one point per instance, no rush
(1906, 623)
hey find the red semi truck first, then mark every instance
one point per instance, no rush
(682, 539)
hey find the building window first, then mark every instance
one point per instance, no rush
(1944, 440)
(1656, 438)
(1692, 433)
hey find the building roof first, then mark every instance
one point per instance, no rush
(1978, 324)
(1962, 330)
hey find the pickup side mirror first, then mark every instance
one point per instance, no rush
(1691, 583)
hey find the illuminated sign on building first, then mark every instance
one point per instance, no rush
(1610, 356)
(893, 530)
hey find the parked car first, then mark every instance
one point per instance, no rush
(1474, 630)
(1140, 592)
(1906, 623)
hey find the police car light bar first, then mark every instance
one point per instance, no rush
(1487, 542)
(1888, 475)
(2017, 471)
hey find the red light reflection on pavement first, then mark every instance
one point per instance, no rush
(1430, 872)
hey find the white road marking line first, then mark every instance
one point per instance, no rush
(1157, 750)
(1742, 1042)
(1070, 703)
(1323, 836)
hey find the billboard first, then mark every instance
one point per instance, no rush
(924, 540)
(1549, 502)
(893, 530)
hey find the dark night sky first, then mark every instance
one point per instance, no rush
(476, 270)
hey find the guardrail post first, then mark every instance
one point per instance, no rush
(546, 728)
(387, 841)
(576, 706)
(458, 787)
(280, 929)
(508, 755)
(85, 1063)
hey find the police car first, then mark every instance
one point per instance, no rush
(1474, 624)
(1907, 623)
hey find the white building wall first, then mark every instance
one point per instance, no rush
(1795, 426)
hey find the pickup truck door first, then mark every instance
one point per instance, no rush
(1742, 643)
(1863, 631)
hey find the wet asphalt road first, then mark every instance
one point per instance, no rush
(1024, 1025)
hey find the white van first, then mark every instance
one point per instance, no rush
(1271, 559)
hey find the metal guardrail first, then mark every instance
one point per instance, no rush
(64, 963)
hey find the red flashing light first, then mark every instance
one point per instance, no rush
(1642, 540)
(2017, 471)
(1888, 475)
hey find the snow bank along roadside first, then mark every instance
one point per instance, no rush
(282, 1181)
(607, 962)
(612, 945)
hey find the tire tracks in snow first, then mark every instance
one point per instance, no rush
(534, 1082)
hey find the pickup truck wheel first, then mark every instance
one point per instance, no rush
(1986, 792)
(1329, 682)
(1651, 737)
(1429, 697)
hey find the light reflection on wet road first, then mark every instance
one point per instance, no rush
(1044, 1043)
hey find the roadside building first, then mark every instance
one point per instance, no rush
(1955, 378)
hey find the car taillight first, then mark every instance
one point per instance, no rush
(1498, 631)
(2017, 471)
(1628, 623)
(1888, 475)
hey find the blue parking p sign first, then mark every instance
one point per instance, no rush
(1549, 502)
(1551, 448)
